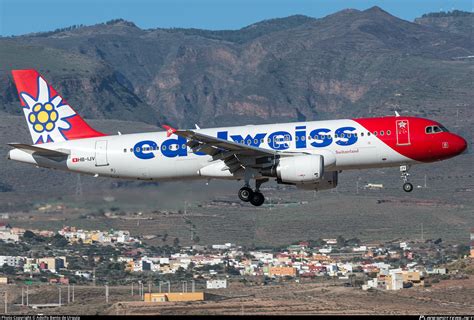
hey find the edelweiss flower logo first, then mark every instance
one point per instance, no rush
(43, 117)
(46, 115)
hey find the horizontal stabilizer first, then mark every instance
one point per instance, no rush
(39, 150)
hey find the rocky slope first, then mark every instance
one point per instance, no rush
(351, 63)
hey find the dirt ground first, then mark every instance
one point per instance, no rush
(447, 297)
(323, 297)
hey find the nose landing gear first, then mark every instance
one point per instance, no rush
(407, 186)
(256, 198)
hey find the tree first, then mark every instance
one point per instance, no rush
(8, 269)
(29, 234)
(341, 242)
(176, 242)
(353, 242)
(59, 241)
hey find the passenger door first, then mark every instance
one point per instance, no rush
(101, 153)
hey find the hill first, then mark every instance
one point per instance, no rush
(351, 63)
(460, 22)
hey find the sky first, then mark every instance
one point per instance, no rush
(25, 16)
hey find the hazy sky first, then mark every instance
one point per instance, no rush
(24, 16)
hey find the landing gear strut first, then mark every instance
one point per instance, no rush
(256, 198)
(407, 186)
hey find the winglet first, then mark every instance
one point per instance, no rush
(169, 130)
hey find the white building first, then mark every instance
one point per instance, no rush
(11, 261)
(83, 274)
(221, 246)
(8, 236)
(397, 281)
(216, 284)
(325, 250)
(360, 249)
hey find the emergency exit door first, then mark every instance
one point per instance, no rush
(101, 153)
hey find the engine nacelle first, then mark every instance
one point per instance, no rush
(304, 169)
(328, 181)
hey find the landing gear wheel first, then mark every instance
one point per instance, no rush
(245, 194)
(257, 199)
(407, 187)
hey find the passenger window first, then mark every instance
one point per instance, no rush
(303, 138)
(375, 133)
(125, 150)
(381, 133)
(131, 149)
(361, 134)
(368, 133)
(163, 147)
(388, 132)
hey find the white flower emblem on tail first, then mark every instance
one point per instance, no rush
(47, 116)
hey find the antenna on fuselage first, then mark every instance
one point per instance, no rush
(197, 127)
(396, 113)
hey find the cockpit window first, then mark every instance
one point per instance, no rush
(444, 129)
(435, 129)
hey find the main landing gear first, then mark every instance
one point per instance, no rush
(256, 198)
(407, 186)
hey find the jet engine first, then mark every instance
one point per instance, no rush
(302, 169)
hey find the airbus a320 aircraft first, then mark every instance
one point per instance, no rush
(308, 155)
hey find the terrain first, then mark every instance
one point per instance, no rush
(328, 297)
(351, 63)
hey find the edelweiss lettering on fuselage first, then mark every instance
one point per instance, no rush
(278, 140)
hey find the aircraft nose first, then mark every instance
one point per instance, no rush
(459, 144)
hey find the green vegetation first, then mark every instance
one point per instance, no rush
(453, 13)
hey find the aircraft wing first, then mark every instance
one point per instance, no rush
(235, 155)
(39, 150)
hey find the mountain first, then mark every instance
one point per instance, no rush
(460, 22)
(351, 63)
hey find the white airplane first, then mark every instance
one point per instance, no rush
(308, 155)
